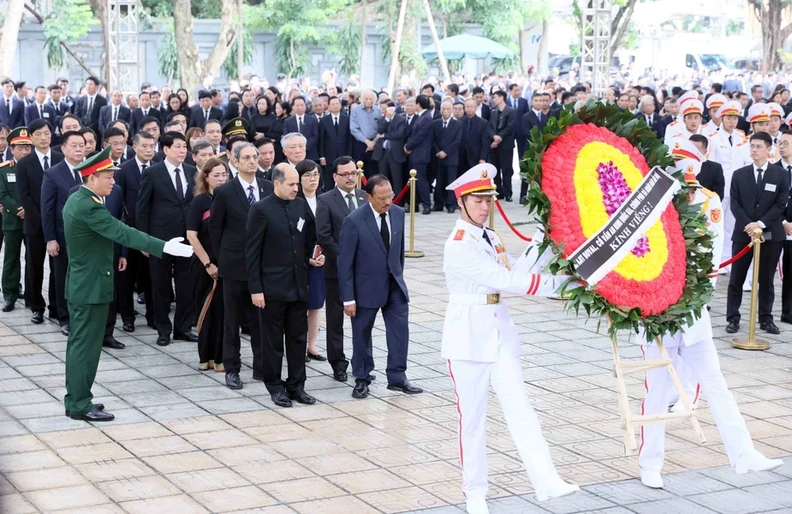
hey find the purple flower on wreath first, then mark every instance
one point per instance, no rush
(614, 193)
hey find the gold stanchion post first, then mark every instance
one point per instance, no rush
(492, 215)
(360, 175)
(752, 343)
(412, 253)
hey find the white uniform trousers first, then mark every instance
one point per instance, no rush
(471, 382)
(702, 359)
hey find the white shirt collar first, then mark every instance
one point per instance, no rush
(171, 168)
(140, 163)
(344, 194)
(40, 155)
(377, 215)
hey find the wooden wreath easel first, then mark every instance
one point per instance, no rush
(628, 420)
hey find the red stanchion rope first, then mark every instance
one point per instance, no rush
(401, 194)
(730, 261)
(363, 180)
(506, 219)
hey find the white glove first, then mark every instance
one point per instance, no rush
(176, 248)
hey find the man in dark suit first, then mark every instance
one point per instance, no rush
(419, 149)
(39, 109)
(335, 139)
(534, 118)
(61, 109)
(482, 109)
(58, 181)
(281, 235)
(503, 121)
(332, 208)
(651, 118)
(476, 137)
(87, 107)
(446, 138)
(785, 163)
(137, 271)
(12, 109)
(144, 111)
(759, 194)
(115, 110)
(371, 278)
(389, 148)
(227, 224)
(203, 111)
(166, 190)
(306, 125)
(520, 106)
(711, 174)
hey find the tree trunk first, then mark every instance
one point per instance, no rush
(186, 50)
(362, 39)
(225, 39)
(620, 24)
(396, 46)
(99, 8)
(436, 41)
(240, 42)
(541, 52)
(8, 42)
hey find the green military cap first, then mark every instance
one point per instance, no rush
(96, 163)
(235, 127)
(19, 136)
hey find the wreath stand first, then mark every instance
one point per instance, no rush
(628, 420)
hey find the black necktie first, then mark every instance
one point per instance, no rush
(206, 115)
(299, 123)
(115, 113)
(730, 141)
(487, 239)
(41, 115)
(251, 196)
(143, 168)
(384, 230)
(77, 177)
(350, 202)
(46, 163)
(90, 106)
(445, 125)
(179, 187)
(759, 178)
(8, 105)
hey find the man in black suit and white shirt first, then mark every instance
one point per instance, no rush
(203, 111)
(114, 111)
(476, 137)
(520, 106)
(332, 208)
(12, 109)
(389, 148)
(227, 224)
(306, 125)
(503, 121)
(483, 109)
(335, 139)
(446, 137)
(166, 190)
(711, 174)
(535, 117)
(87, 107)
(40, 110)
(145, 110)
(759, 194)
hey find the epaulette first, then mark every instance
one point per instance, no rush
(713, 134)
(95, 199)
(6, 163)
(708, 193)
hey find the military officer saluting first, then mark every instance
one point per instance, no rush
(90, 232)
(482, 346)
(13, 214)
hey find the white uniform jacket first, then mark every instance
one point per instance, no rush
(473, 329)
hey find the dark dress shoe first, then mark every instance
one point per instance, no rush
(141, 299)
(316, 357)
(302, 397)
(65, 329)
(371, 378)
(233, 381)
(112, 342)
(307, 359)
(163, 341)
(128, 327)
(786, 318)
(508, 198)
(281, 399)
(9, 305)
(257, 377)
(406, 387)
(97, 406)
(340, 375)
(37, 318)
(94, 416)
(451, 210)
(361, 389)
(733, 327)
(437, 208)
(190, 337)
(523, 200)
(427, 210)
(770, 327)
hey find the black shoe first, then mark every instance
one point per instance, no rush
(340, 375)
(500, 197)
(163, 341)
(523, 200)
(95, 415)
(786, 318)
(426, 210)
(280, 399)
(302, 397)
(111, 342)
(770, 327)
(451, 210)
(258, 377)
(508, 198)
(128, 327)
(406, 387)
(316, 357)
(9, 305)
(361, 389)
(371, 377)
(190, 337)
(233, 381)
(141, 299)
(37, 318)
(97, 406)
(733, 327)
(437, 207)
(65, 329)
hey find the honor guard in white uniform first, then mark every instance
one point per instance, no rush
(678, 124)
(482, 345)
(774, 129)
(694, 347)
(714, 102)
(691, 122)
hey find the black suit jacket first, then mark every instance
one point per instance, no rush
(654, 122)
(528, 121)
(159, 211)
(476, 139)
(486, 111)
(16, 118)
(58, 181)
(197, 116)
(711, 177)
(331, 211)
(281, 235)
(394, 131)
(503, 123)
(106, 116)
(522, 109)
(309, 129)
(47, 113)
(765, 202)
(334, 143)
(30, 175)
(137, 117)
(89, 119)
(419, 140)
(129, 181)
(227, 224)
(447, 140)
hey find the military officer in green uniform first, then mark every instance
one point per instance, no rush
(90, 231)
(13, 214)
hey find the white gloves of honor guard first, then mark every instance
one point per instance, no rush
(176, 248)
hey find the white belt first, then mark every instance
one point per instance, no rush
(474, 299)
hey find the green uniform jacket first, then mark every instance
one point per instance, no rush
(90, 233)
(9, 197)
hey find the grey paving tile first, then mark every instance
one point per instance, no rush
(735, 501)
(780, 492)
(673, 505)
(727, 475)
(53, 424)
(626, 493)
(584, 501)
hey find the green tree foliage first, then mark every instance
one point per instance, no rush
(68, 21)
(201, 9)
(345, 43)
(230, 64)
(167, 56)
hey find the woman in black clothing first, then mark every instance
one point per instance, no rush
(175, 104)
(261, 122)
(204, 266)
(273, 95)
(184, 96)
(232, 111)
(282, 111)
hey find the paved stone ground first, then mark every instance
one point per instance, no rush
(182, 442)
